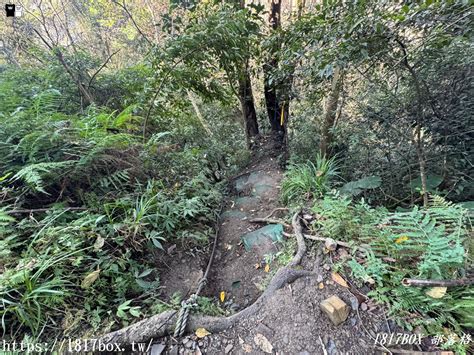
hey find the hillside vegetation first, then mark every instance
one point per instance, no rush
(121, 122)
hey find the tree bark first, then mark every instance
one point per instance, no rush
(248, 107)
(272, 101)
(327, 136)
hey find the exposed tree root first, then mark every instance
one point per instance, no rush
(440, 283)
(269, 220)
(163, 323)
(323, 239)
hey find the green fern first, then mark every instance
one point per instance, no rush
(116, 180)
(34, 174)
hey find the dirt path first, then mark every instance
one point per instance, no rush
(255, 193)
(290, 322)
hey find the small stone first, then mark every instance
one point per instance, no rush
(330, 244)
(228, 348)
(263, 329)
(189, 344)
(201, 344)
(320, 278)
(157, 349)
(363, 306)
(331, 347)
(326, 267)
(336, 309)
(354, 303)
(174, 350)
(353, 321)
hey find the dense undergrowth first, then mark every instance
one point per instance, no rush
(118, 126)
(87, 203)
(430, 243)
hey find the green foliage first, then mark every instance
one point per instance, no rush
(92, 268)
(209, 307)
(342, 219)
(307, 181)
(421, 243)
(354, 188)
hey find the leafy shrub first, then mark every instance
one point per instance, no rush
(420, 243)
(309, 180)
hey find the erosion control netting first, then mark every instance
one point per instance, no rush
(271, 232)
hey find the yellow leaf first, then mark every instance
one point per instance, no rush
(321, 286)
(436, 292)
(202, 332)
(339, 279)
(401, 239)
(90, 279)
(222, 296)
(267, 268)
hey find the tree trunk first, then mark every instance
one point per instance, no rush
(327, 136)
(248, 107)
(56, 51)
(417, 136)
(275, 107)
(85, 93)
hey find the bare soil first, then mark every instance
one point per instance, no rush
(291, 321)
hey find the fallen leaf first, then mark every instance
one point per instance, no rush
(262, 342)
(222, 296)
(247, 348)
(202, 332)
(89, 279)
(267, 268)
(436, 292)
(99, 243)
(339, 279)
(321, 285)
(401, 239)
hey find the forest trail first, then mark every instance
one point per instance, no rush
(290, 322)
(239, 267)
(254, 193)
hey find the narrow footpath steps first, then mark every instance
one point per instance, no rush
(243, 245)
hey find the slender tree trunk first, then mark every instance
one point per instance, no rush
(417, 136)
(86, 94)
(248, 107)
(327, 136)
(272, 101)
(56, 51)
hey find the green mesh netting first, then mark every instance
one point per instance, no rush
(260, 189)
(272, 232)
(233, 214)
(246, 200)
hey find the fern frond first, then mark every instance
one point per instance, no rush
(34, 174)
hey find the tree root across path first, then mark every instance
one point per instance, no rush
(162, 324)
